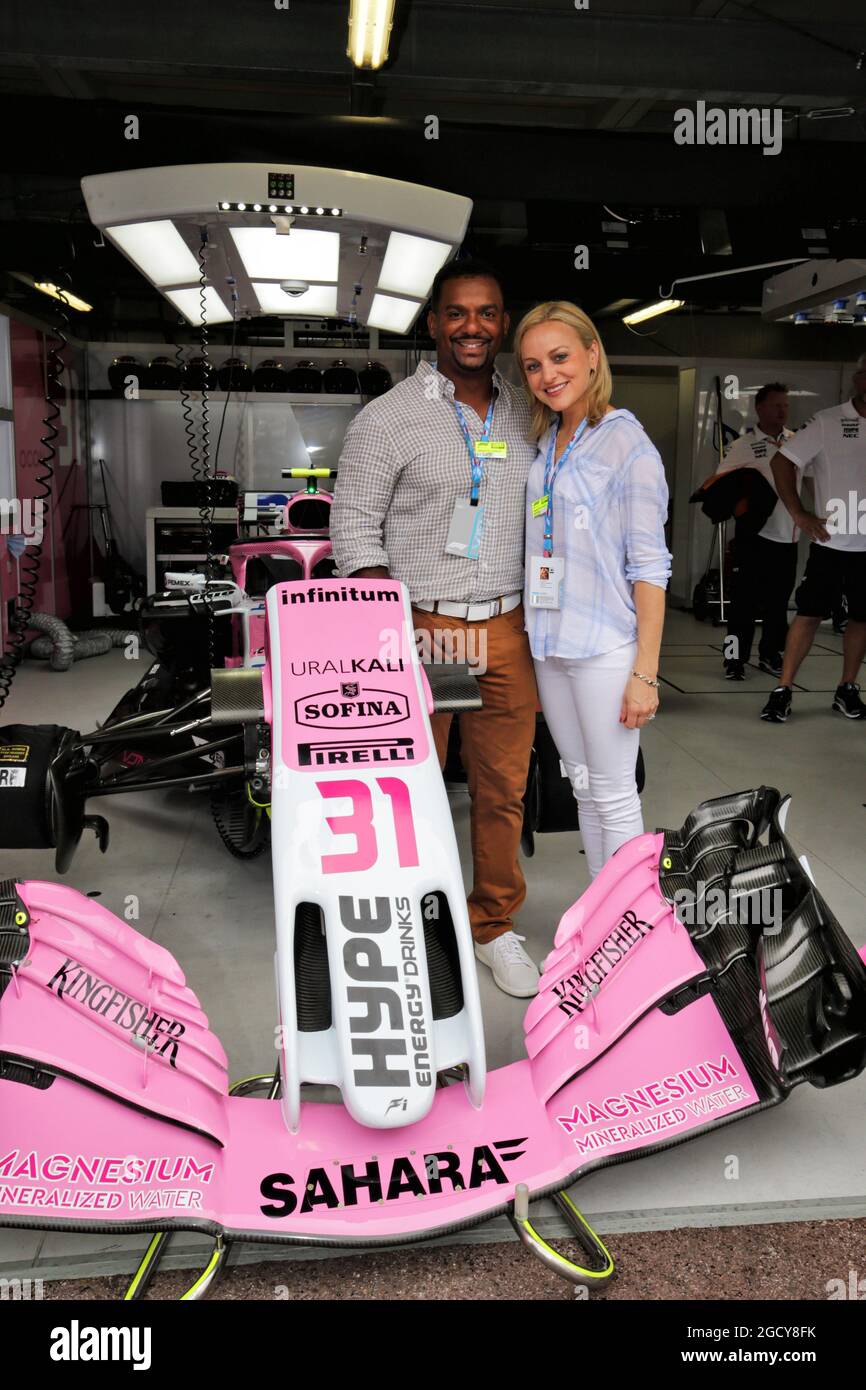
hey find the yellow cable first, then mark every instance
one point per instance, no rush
(142, 1268)
(210, 1264)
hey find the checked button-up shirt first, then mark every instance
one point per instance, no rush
(405, 463)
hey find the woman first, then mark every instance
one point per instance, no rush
(596, 570)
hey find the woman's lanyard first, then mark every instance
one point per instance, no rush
(551, 473)
(475, 462)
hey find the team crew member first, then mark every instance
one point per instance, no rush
(430, 491)
(766, 562)
(832, 447)
(596, 570)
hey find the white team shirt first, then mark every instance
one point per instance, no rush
(754, 449)
(832, 448)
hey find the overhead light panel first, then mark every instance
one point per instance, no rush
(317, 226)
(189, 303)
(395, 315)
(65, 296)
(411, 263)
(370, 24)
(817, 287)
(159, 250)
(300, 255)
(650, 311)
(319, 301)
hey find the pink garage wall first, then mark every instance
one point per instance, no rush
(63, 572)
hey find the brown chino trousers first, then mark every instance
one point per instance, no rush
(496, 742)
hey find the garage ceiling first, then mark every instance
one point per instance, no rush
(558, 122)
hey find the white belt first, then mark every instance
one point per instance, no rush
(471, 612)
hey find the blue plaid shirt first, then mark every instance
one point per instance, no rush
(609, 507)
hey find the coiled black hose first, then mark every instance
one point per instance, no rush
(31, 559)
(188, 421)
(205, 510)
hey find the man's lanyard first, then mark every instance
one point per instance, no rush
(475, 463)
(551, 473)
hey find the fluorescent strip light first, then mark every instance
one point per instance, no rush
(189, 303)
(370, 23)
(318, 299)
(395, 315)
(302, 255)
(65, 296)
(410, 264)
(159, 250)
(649, 311)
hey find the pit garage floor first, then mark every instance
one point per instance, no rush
(803, 1161)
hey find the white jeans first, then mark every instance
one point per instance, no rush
(581, 702)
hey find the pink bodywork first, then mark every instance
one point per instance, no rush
(391, 687)
(137, 1129)
(168, 1146)
(307, 551)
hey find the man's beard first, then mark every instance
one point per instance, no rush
(480, 365)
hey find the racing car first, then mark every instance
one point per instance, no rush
(162, 735)
(116, 1109)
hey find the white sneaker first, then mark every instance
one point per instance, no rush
(512, 969)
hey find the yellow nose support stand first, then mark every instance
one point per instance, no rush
(560, 1264)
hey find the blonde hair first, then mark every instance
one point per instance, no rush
(562, 311)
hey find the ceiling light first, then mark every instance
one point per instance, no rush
(649, 311)
(395, 315)
(257, 207)
(272, 207)
(361, 211)
(821, 285)
(303, 255)
(318, 300)
(370, 23)
(410, 264)
(189, 303)
(65, 296)
(158, 249)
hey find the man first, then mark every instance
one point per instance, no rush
(766, 563)
(832, 447)
(431, 491)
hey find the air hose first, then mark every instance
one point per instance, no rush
(60, 647)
